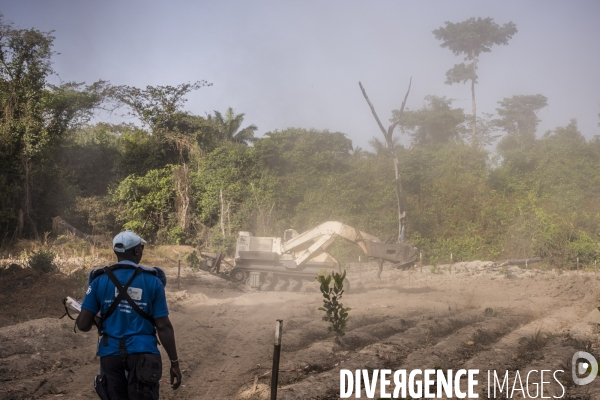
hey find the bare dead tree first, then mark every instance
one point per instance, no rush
(387, 134)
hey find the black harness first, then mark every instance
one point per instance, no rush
(123, 295)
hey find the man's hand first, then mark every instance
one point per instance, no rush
(175, 375)
(167, 338)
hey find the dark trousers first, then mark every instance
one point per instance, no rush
(122, 386)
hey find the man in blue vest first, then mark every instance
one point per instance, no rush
(127, 302)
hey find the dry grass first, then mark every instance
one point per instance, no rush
(73, 253)
(530, 348)
(490, 312)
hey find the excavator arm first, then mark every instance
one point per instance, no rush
(314, 241)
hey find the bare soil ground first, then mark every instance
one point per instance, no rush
(509, 319)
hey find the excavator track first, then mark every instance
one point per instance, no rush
(272, 263)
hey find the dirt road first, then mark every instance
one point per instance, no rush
(509, 319)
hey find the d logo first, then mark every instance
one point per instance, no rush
(581, 367)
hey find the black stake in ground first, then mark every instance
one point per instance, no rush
(276, 354)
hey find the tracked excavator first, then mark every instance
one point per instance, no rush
(274, 263)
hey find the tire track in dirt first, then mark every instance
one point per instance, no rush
(229, 340)
(232, 343)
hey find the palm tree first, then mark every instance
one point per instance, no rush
(227, 127)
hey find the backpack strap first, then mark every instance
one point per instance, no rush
(123, 295)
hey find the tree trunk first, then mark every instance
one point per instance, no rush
(182, 185)
(222, 211)
(400, 197)
(388, 139)
(228, 217)
(474, 124)
(20, 225)
(25, 219)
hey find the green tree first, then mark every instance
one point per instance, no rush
(553, 184)
(471, 38)
(69, 105)
(232, 192)
(519, 120)
(228, 127)
(138, 152)
(25, 64)
(295, 149)
(518, 114)
(454, 208)
(33, 119)
(436, 122)
(145, 204)
(88, 150)
(233, 171)
(567, 165)
(157, 107)
(361, 195)
(302, 160)
(160, 108)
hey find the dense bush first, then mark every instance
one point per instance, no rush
(42, 261)
(460, 200)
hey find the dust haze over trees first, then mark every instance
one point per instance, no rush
(176, 176)
(471, 38)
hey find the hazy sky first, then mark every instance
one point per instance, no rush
(298, 63)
